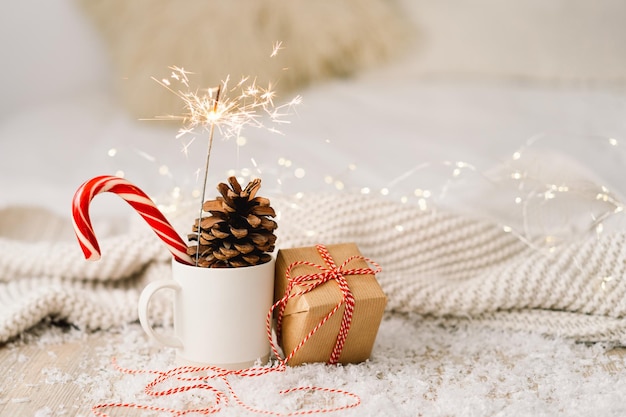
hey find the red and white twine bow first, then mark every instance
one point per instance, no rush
(328, 272)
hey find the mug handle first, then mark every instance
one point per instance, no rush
(144, 301)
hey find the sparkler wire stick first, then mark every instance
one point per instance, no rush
(206, 168)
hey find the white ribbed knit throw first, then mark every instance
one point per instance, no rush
(435, 263)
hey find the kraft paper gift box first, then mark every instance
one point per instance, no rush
(302, 313)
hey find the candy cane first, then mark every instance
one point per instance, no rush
(138, 200)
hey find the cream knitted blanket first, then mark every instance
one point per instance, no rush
(435, 263)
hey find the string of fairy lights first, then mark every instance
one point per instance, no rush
(542, 207)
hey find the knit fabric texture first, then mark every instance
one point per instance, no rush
(435, 263)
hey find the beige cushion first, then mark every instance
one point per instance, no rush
(213, 39)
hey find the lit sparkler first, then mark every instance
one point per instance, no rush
(229, 109)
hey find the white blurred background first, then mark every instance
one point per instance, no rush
(478, 80)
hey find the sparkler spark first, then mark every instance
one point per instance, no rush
(277, 47)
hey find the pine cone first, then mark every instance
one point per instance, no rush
(238, 232)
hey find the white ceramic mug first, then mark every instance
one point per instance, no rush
(219, 314)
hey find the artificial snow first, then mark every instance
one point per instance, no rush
(418, 367)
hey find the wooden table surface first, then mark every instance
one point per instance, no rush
(65, 374)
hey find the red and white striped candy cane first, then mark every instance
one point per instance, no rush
(138, 200)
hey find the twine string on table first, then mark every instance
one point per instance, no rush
(186, 375)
